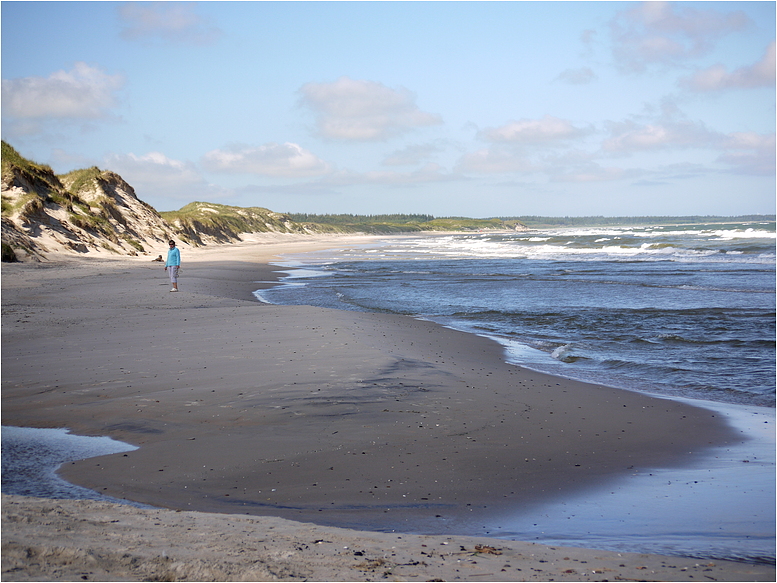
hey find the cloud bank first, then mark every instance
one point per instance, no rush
(282, 160)
(168, 22)
(662, 33)
(717, 77)
(547, 130)
(164, 177)
(355, 110)
(84, 92)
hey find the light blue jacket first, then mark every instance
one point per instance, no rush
(173, 257)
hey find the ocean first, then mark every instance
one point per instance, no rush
(680, 310)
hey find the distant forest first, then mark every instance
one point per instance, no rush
(529, 220)
(347, 219)
(532, 221)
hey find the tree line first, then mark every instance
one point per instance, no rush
(350, 219)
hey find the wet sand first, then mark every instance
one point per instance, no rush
(343, 418)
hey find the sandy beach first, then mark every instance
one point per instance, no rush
(295, 415)
(72, 540)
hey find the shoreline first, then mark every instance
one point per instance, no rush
(575, 521)
(368, 383)
(69, 540)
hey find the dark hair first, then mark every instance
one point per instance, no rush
(171, 242)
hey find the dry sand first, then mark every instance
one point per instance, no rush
(74, 540)
(343, 418)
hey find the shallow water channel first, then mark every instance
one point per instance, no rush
(721, 508)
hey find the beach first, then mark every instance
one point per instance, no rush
(77, 540)
(349, 420)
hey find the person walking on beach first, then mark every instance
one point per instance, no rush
(173, 264)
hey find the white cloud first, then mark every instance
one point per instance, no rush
(629, 137)
(668, 173)
(667, 34)
(570, 166)
(590, 173)
(336, 181)
(429, 173)
(547, 130)
(154, 175)
(174, 22)
(750, 163)
(494, 161)
(411, 155)
(742, 152)
(282, 160)
(750, 141)
(581, 76)
(349, 109)
(84, 92)
(578, 165)
(588, 40)
(659, 133)
(717, 77)
(750, 153)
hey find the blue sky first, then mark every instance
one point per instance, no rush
(450, 108)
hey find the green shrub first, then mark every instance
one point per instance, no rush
(41, 172)
(79, 179)
(9, 255)
(134, 243)
(89, 221)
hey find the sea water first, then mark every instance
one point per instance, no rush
(32, 456)
(684, 312)
(675, 310)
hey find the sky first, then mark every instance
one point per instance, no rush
(477, 109)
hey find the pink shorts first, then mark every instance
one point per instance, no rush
(172, 270)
